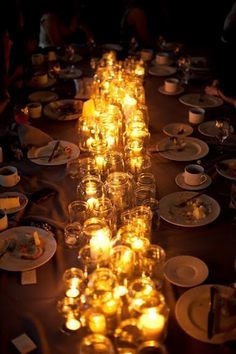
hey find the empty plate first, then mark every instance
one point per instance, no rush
(178, 129)
(185, 271)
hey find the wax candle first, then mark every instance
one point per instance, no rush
(100, 245)
(152, 323)
(73, 290)
(72, 323)
(97, 323)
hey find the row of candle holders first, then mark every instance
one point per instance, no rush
(113, 296)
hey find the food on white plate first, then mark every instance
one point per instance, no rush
(9, 202)
(28, 246)
(194, 210)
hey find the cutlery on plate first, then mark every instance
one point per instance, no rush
(184, 202)
(54, 150)
(9, 247)
(169, 149)
(211, 313)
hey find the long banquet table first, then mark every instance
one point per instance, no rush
(32, 309)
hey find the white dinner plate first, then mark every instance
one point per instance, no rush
(192, 149)
(51, 81)
(177, 129)
(209, 128)
(227, 168)
(197, 100)
(64, 110)
(185, 271)
(23, 201)
(68, 151)
(43, 96)
(179, 180)
(184, 216)
(11, 263)
(178, 92)
(162, 70)
(70, 73)
(192, 310)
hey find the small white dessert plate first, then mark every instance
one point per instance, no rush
(179, 180)
(185, 271)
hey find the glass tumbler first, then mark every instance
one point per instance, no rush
(72, 235)
(96, 344)
(153, 264)
(78, 211)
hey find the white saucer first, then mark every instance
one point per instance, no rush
(185, 271)
(162, 90)
(179, 180)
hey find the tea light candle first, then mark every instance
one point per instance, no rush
(110, 307)
(73, 290)
(152, 323)
(72, 323)
(100, 245)
(129, 105)
(97, 323)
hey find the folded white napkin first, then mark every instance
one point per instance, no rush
(31, 136)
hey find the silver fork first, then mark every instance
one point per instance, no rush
(184, 202)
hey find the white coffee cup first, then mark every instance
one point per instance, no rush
(172, 85)
(9, 176)
(34, 110)
(3, 220)
(196, 115)
(146, 54)
(40, 79)
(194, 175)
(37, 59)
(162, 58)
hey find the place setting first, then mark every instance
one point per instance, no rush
(70, 73)
(171, 87)
(177, 129)
(63, 110)
(25, 247)
(185, 149)
(55, 153)
(189, 209)
(201, 100)
(207, 313)
(185, 271)
(193, 178)
(43, 96)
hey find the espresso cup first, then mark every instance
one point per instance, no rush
(9, 176)
(34, 110)
(146, 54)
(162, 58)
(3, 220)
(196, 115)
(194, 175)
(37, 59)
(172, 85)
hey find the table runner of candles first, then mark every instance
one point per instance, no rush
(113, 296)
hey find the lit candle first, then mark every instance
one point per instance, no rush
(110, 307)
(152, 323)
(72, 323)
(97, 323)
(129, 105)
(100, 162)
(100, 245)
(88, 109)
(73, 290)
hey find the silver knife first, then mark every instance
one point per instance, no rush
(211, 314)
(54, 150)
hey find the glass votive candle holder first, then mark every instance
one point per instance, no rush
(128, 334)
(95, 320)
(72, 169)
(104, 209)
(96, 344)
(78, 211)
(69, 307)
(89, 189)
(154, 206)
(122, 262)
(147, 179)
(153, 264)
(73, 278)
(143, 193)
(102, 280)
(141, 218)
(73, 237)
(87, 263)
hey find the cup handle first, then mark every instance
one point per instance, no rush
(17, 178)
(203, 178)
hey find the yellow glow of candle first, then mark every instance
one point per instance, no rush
(100, 161)
(110, 307)
(90, 189)
(97, 323)
(88, 109)
(91, 202)
(137, 244)
(152, 323)
(72, 324)
(100, 245)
